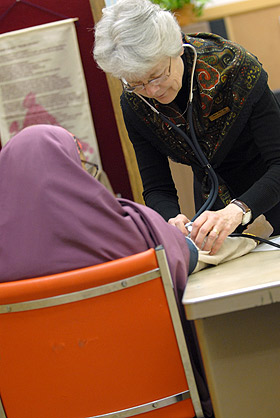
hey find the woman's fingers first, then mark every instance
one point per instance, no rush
(211, 228)
(180, 221)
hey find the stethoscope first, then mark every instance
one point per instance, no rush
(193, 142)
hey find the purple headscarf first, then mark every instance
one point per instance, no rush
(55, 217)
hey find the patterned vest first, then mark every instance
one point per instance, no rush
(228, 81)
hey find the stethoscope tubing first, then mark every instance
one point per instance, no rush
(193, 142)
(194, 145)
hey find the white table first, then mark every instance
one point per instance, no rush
(236, 310)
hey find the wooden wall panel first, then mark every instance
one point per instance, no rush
(115, 91)
(259, 32)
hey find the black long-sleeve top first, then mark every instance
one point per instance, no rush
(251, 169)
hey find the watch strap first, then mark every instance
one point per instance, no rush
(247, 214)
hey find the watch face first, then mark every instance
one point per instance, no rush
(246, 217)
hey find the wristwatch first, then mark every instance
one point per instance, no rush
(247, 214)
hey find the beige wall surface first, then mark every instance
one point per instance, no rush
(259, 32)
(183, 179)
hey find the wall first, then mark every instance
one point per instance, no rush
(215, 3)
(21, 16)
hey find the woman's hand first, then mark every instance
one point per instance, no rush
(210, 229)
(179, 221)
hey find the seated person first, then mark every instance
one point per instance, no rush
(55, 217)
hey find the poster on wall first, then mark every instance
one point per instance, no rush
(42, 81)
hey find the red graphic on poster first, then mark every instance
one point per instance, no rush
(37, 114)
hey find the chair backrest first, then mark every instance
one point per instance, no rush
(103, 341)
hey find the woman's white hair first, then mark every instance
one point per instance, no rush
(133, 36)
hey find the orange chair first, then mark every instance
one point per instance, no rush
(103, 341)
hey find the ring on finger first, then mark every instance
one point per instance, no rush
(215, 230)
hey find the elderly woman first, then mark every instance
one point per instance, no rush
(235, 117)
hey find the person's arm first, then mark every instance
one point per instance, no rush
(263, 194)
